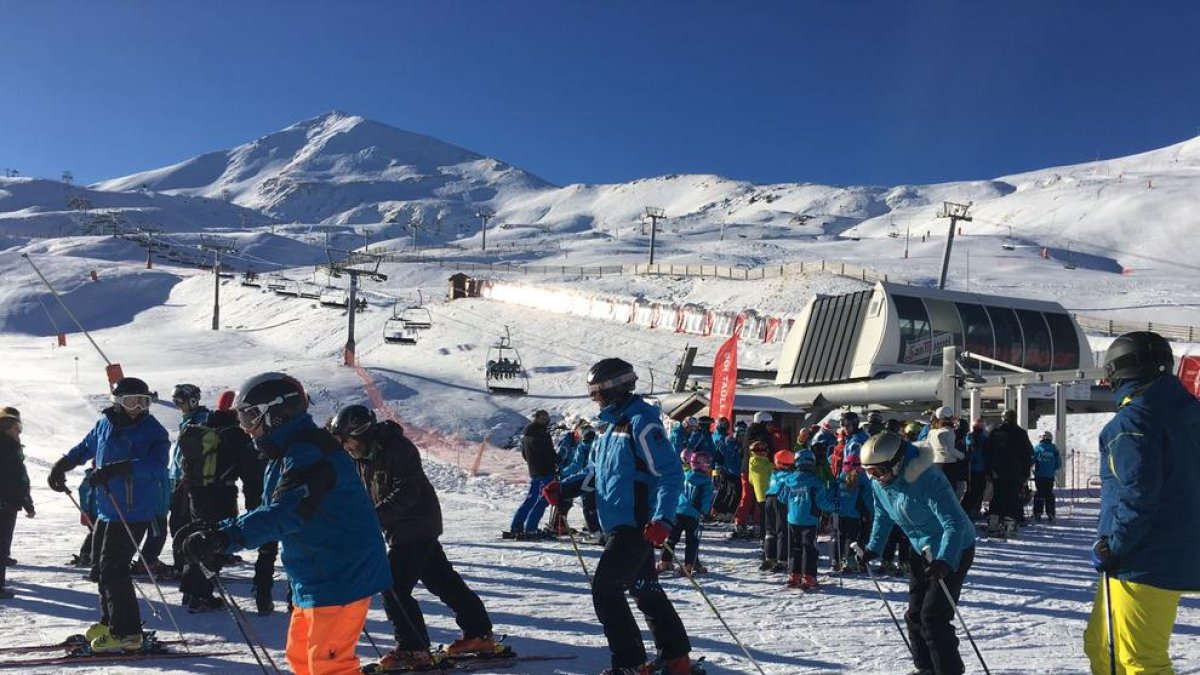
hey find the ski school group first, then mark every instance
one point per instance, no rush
(356, 516)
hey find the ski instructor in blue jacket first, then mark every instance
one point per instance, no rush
(637, 479)
(1149, 507)
(314, 504)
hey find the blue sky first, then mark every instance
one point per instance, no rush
(830, 92)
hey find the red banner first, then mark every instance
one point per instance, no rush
(724, 377)
(1189, 374)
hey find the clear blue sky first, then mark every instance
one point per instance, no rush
(831, 92)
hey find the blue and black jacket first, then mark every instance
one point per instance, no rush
(144, 444)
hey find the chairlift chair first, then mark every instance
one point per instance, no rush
(417, 316)
(1008, 244)
(396, 333)
(335, 297)
(893, 231)
(504, 373)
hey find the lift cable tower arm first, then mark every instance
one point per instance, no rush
(347, 266)
(955, 212)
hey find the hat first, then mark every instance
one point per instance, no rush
(10, 413)
(762, 417)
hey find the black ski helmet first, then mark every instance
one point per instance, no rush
(850, 419)
(277, 398)
(610, 379)
(186, 392)
(353, 420)
(130, 386)
(1140, 355)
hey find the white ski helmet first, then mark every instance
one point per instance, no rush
(762, 417)
(944, 413)
(882, 450)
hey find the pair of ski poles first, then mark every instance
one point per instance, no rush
(928, 555)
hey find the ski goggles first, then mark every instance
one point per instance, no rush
(250, 416)
(132, 401)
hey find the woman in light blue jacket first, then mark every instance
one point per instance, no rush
(1046, 463)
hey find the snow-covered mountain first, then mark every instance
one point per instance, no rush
(340, 168)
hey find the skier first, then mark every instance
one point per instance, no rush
(775, 546)
(695, 501)
(1009, 456)
(411, 518)
(976, 439)
(130, 450)
(1149, 508)
(920, 501)
(1046, 463)
(727, 462)
(637, 480)
(807, 498)
(537, 449)
(946, 455)
(855, 437)
(14, 489)
(854, 505)
(315, 504)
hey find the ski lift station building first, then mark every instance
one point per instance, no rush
(907, 349)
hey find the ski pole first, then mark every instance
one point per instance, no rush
(950, 598)
(713, 607)
(367, 633)
(579, 555)
(1112, 645)
(87, 520)
(137, 547)
(854, 546)
(239, 621)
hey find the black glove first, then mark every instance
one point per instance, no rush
(58, 474)
(205, 545)
(1102, 556)
(938, 569)
(103, 474)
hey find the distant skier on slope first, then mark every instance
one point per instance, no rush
(411, 518)
(1149, 507)
(637, 480)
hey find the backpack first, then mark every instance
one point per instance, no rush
(211, 454)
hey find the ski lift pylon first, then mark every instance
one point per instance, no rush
(504, 373)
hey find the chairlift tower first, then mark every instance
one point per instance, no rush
(653, 214)
(346, 266)
(217, 249)
(484, 215)
(955, 212)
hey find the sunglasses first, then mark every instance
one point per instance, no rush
(133, 401)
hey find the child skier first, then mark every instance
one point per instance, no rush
(806, 497)
(775, 540)
(695, 501)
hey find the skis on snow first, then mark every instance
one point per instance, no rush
(78, 651)
(458, 663)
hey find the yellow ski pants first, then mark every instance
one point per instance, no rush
(1143, 618)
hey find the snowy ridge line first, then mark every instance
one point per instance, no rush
(688, 318)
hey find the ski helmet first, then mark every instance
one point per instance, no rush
(850, 420)
(130, 386)
(1047, 436)
(186, 393)
(739, 429)
(270, 399)
(944, 413)
(883, 451)
(691, 423)
(685, 455)
(1140, 355)
(610, 379)
(805, 459)
(759, 448)
(701, 461)
(706, 423)
(762, 417)
(785, 459)
(352, 421)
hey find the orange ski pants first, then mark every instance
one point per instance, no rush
(322, 640)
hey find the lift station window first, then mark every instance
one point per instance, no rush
(1038, 349)
(947, 327)
(977, 328)
(1010, 347)
(916, 338)
(1066, 344)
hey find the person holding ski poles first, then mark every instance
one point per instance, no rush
(637, 479)
(130, 450)
(912, 495)
(1146, 544)
(314, 504)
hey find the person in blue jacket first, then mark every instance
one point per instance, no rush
(695, 501)
(807, 498)
(130, 448)
(727, 465)
(1046, 463)
(977, 480)
(776, 546)
(1147, 546)
(854, 505)
(637, 479)
(315, 504)
(918, 499)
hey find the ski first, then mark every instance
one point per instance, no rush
(82, 658)
(78, 640)
(466, 664)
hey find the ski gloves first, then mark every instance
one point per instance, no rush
(552, 492)
(206, 544)
(103, 474)
(938, 569)
(656, 532)
(58, 474)
(1102, 556)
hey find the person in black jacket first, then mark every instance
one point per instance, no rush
(14, 489)
(411, 518)
(1009, 459)
(537, 448)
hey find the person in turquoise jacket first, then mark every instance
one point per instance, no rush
(315, 504)
(1146, 543)
(855, 504)
(694, 502)
(1046, 463)
(909, 494)
(807, 498)
(129, 448)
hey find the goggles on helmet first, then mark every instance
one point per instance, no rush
(132, 401)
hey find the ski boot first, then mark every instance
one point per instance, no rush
(1010, 528)
(767, 565)
(198, 604)
(665, 566)
(113, 644)
(479, 647)
(96, 630)
(887, 567)
(629, 670)
(680, 665)
(10, 562)
(809, 583)
(795, 580)
(779, 567)
(263, 601)
(511, 534)
(400, 660)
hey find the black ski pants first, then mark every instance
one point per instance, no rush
(8, 523)
(112, 553)
(627, 565)
(687, 528)
(930, 617)
(775, 539)
(425, 561)
(849, 527)
(590, 514)
(156, 539)
(804, 549)
(209, 504)
(1006, 499)
(1043, 499)
(972, 502)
